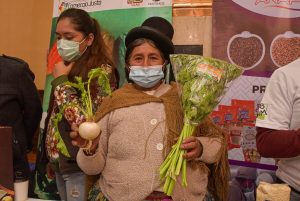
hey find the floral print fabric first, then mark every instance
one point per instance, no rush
(66, 104)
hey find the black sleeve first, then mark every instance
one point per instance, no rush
(32, 107)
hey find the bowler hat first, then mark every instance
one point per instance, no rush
(157, 29)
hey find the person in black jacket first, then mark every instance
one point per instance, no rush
(20, 108)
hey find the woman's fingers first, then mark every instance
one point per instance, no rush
(189, 143)
(62, 68)
(76, 139)
(73, 134)
(193, 148)
(79, 142)
(74, 127)
(190, 155)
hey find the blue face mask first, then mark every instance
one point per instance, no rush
(146, 77)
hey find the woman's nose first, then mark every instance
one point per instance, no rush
(146, 62)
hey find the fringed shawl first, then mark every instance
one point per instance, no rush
(128, 95)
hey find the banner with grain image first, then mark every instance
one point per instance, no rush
(116, 19)
(261, 36)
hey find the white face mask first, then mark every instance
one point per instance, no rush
(69, 50)
(146, 77)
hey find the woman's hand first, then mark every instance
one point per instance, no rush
(60, 68)
(193, 147)
(80, 142)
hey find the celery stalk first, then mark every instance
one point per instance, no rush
(184, 180)
(202, 82)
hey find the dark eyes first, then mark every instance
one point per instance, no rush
(138, 58)
(154, 58)
(58, 37)
(69, 38)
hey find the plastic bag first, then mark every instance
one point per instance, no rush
(274, 192)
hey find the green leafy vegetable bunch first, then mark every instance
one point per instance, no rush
(202, 82)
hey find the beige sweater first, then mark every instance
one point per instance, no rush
(131, 151)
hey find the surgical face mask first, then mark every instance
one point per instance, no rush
(146, 77)
(69, 50)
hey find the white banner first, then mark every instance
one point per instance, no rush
(101, 5)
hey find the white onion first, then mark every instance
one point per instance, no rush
(89, 130)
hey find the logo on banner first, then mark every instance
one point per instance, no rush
(81, 4)
(134, 2)
(156, 3)
(262, 111)
(273, 8)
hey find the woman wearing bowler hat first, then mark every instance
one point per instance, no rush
(141, 122)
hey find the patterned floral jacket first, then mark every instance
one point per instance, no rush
(66, 111)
